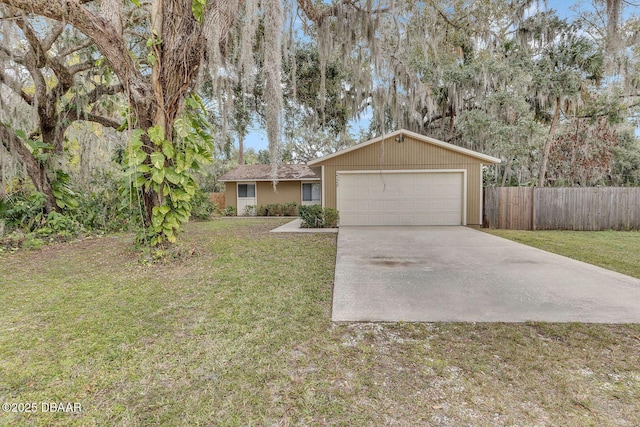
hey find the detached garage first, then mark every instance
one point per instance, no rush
(404, 179)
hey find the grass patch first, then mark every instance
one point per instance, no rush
(615, 250)
(239, 333)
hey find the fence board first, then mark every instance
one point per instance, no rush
(217, 199)
(598, 208)
(508, 207)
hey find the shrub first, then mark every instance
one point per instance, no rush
(315, 216)
(276, 209)
(290, 209)
(331, 218)
(201, 207)
(228, 211)
(107, 209)
(250, 210)
(311, 216)
(24, 212)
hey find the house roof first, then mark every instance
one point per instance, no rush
(483, 157)
(263, 173)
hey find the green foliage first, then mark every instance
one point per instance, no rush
(285, 209)
(331, 217)
(61, 188)
(165, 168)
(315, 216)
(198, 8)
(64, 196)
(627, 160)
(106, 210)
(24, 212)
(201, 207)
(29, 226)
(250, 210)
(228, 211)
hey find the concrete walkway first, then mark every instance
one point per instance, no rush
(461, 274)
(294, 227)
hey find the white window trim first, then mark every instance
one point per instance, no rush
(255, 198)
(310, 202)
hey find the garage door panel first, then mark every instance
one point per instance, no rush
(400, 198)
(377, 205)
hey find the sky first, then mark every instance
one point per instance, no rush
(257, 138)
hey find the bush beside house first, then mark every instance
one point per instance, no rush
(315, 216)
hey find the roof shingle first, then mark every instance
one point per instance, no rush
(263, 173)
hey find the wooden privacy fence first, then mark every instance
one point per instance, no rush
(217, 199)
(574, 208)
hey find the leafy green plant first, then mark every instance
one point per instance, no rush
(58, 224)
(290, 209)
(28, 226)
(228, 211)
(331, 217)
(166, 167)
(61, 189)
(311, 216)
(277, 209)
(315, 216)
(201, 207)
(250, 210)
(106, 210)
(25, 212)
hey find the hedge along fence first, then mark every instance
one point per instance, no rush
(574, 208)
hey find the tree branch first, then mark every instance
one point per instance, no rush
(72, 49)
(82, 66)
(318, 13)
(15, 86)
(52, 37)
(73, 115)
(101, 32)
(37, 49)
(100, 90)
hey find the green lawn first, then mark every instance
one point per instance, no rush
(615, 250)
(237, 332)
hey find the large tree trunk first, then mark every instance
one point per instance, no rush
(37, 171)
(547, 146)
(240, 148)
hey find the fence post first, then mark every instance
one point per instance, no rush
(533, 208)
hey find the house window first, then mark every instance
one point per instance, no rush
(247, 190)
(311, 193)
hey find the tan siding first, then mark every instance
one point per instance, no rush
(231, 193)
(287, 192)
(410, 154)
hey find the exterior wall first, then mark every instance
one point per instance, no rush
(410, 154)
(286, 192)
(231, 194)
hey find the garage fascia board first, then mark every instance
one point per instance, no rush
(270, 180)
(483, 157)
(417, 171)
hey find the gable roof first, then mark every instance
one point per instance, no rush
(483, 157)
(263, 173)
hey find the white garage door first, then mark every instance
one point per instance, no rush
(401, 198)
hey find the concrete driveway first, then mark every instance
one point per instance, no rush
(461, 274)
